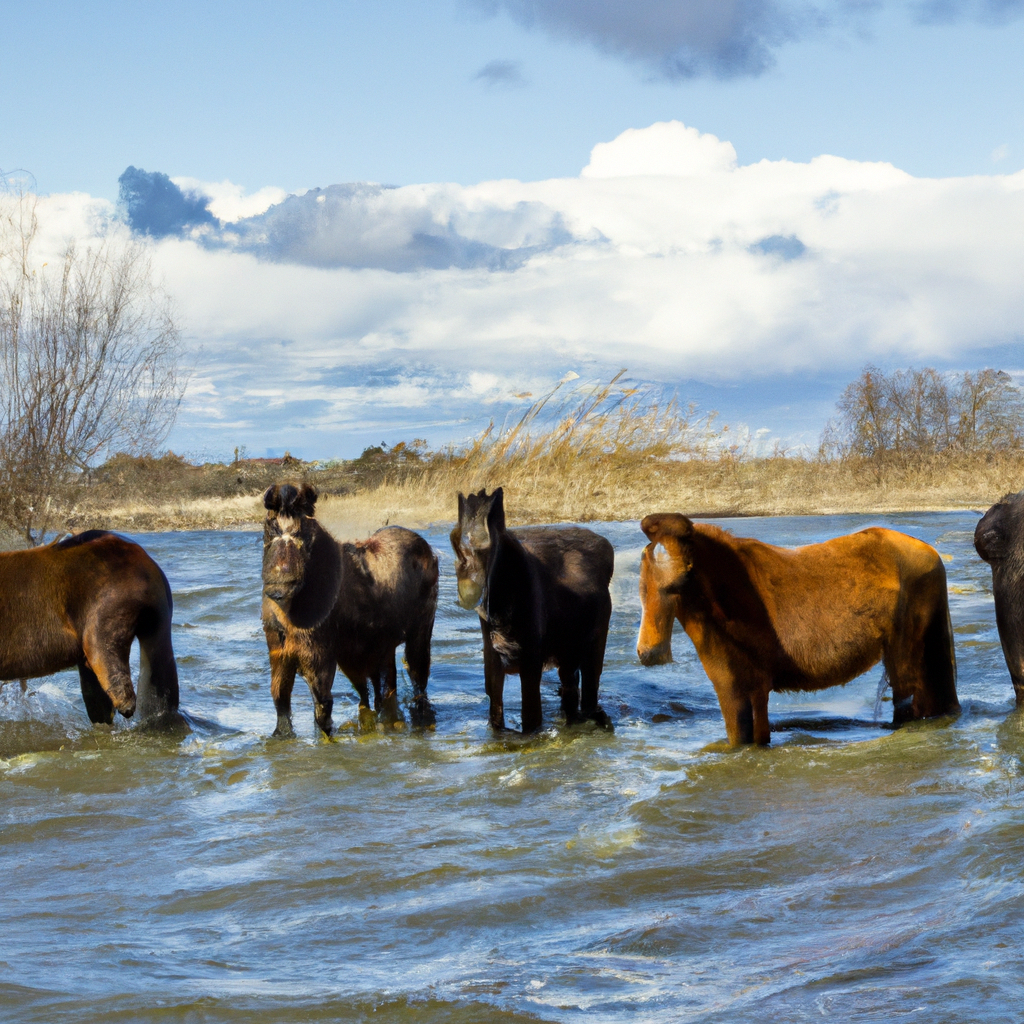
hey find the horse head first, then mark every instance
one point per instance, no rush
(665, 567)
(289, 532)
(474, 539)
(999, 540)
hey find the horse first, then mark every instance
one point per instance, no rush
(80, 602)
(766, 618)
(328, 605)
(999, 540)
(542, 597)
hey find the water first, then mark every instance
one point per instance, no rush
(849, 872)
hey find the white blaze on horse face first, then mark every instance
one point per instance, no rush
(290, 529)
(664, 563)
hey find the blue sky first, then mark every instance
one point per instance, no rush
(302, 96)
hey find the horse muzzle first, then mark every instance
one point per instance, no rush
(470, 593)
(659, 654)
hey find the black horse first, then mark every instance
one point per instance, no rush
(542, 597)
(999, 539)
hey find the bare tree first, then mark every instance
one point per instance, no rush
(909, 414)
(90, 364)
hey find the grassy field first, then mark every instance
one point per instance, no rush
(608, 454)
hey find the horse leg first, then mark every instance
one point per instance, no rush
(761, 729)
(529, 680)
(738, 713)
(494, 683)
(590, 672)
(158, 674)
(320, 680)
(919, 656)
(388, 707)
(282, 680)
(98, 706)
(568, 677)
(417, 658)
(106, 652)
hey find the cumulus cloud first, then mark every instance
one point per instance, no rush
(358, 225)
(322, 331)
(155, 206)
(501, 74)
(681, 39)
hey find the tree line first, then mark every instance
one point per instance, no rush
(907, 415)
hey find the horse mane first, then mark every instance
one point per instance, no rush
(74, 539)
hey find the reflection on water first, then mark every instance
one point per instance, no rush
(849, 872)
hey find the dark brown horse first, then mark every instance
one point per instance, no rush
(81, 602)
(542, 597)
(767, 618)
(328, 605)
(999, 539)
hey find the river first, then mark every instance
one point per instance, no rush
(850, 872)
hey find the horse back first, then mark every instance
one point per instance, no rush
(573, 557)
(389, 583)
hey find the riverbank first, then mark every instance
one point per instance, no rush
(419, 496)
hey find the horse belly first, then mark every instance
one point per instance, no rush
(27, 654)
(830, 659)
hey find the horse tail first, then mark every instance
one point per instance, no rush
(940, 657)
(158, 671)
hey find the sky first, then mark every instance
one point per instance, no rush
(386, 221)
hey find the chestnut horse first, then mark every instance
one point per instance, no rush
(80, 602)
(327, 604)
(767, 618)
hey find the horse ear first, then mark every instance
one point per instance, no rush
(462, 506)
(272, 498)
(496, 513)
(661, 526)
(306, 501)
(990, 535)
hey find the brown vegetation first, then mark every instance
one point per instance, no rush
(605, 453)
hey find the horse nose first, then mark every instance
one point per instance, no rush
(127, 706)
(660, 654)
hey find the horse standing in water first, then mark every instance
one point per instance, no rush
(767, 618)
(80, 602)
(542, 597)
(328, 605)
(999, 540)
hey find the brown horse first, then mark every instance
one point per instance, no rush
(767, 618)
(542, 597)
(349, 606)
(80, 602)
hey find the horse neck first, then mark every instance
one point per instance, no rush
(508, 576)
(725, 578)
(321, 583)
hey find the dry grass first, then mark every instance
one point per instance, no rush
(605, 453)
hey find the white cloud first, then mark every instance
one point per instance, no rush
(664, 256)
(229, 202)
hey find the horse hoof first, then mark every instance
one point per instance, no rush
(421, 714)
